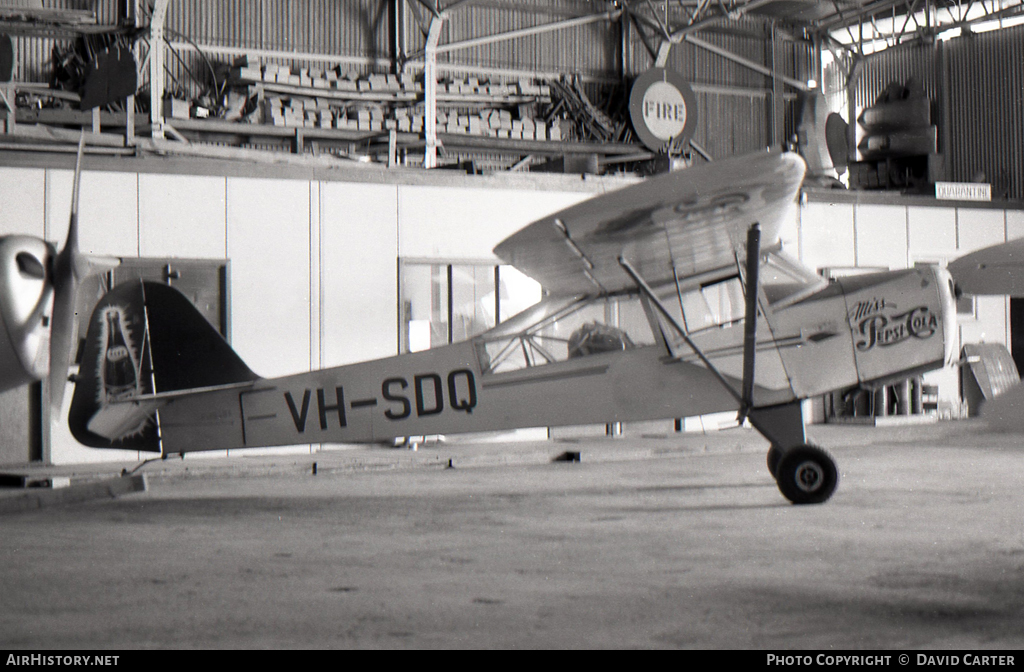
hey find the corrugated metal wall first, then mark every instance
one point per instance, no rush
(349, 28)
(736, 102)
(976, 85)
(737, 110)
(730, 124)
(985, 80)
(899, 64)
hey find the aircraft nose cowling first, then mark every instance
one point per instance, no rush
(900, 321)
(26, 293)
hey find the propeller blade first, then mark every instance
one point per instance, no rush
(66, 278)
(998, 269)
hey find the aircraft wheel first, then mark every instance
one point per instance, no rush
(807, 475)
(774, 456)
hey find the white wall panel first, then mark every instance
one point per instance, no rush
(182, 216)
(358, 257)
(465, 223)
(991, 323)
(971, 332)
(22, 201)
(931, 233)
(948, 381)
(789, 234)
(827, 235)
(268, 245)
(64, 449)
(108, 215)
(977, 228)
(1014, 224)
(881, 235)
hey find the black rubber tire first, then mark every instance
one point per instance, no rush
(774, 457)
(807, 475)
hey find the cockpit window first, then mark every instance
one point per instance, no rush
(717, 300)
(559, 330)
(714, 304)
(786, 281)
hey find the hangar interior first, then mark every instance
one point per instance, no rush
(332, 177)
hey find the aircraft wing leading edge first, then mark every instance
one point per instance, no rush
(684, 223)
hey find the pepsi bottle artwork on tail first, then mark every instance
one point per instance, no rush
(119, 370)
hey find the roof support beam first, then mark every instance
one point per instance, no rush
(526, 32)
(745, 62)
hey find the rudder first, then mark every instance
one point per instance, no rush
(145, 338)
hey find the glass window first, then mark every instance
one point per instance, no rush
(710, 305)
(424, 306)
(558, 330)
(446, 303)
(785, 281)
(473, 300)
(518, 292)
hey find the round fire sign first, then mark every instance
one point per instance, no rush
(663, 108)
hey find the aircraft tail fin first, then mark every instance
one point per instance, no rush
(144, 339)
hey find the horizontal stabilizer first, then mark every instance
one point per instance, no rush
(998, 269)
(117, 420)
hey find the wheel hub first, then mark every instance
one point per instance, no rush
(809, 476)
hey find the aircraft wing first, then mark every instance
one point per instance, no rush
(998, 269)
(693, 220)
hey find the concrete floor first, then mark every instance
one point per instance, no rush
(681, 541)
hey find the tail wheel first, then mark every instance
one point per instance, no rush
(807, 475)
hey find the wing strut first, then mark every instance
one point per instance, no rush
(750, 321)
(656, 302)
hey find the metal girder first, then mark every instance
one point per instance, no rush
(909, 18)
(704, 16)
(157, 56)
(725, 53)
(860, 15)
(523, 32)
(430, 92)
(431, 6)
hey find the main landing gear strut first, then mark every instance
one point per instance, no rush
(805, 473)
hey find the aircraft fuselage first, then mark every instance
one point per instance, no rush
(440, 391)
(861, 330)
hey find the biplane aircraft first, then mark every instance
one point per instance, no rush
(671, 298)
(667, 299)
